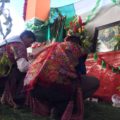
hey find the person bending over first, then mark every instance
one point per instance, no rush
(12, 84)
(53, 76)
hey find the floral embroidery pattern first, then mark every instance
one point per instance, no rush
(47, 65)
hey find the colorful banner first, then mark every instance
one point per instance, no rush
(80, 7)
(57, 3)
(68, 10)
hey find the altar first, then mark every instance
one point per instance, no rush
(106, 67)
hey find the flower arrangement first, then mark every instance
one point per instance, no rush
(77, 28)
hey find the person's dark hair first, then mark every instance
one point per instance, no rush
(74, 39)
(28, 34)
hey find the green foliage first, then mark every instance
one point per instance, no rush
(38, 27)
(103, 64)
(95, 56)
(115, 70)
(117, 38)
(87, 42)
(5, 65)
(77, 28)
(35, 24)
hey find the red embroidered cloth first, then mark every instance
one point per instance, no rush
(18, 46)
(111, 58)
(47, 67)
(109, 80)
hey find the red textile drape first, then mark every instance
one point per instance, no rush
(109, 80)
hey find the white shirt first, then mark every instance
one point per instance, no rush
(22, 64)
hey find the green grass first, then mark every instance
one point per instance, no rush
(101, 111)
(93, 111)
(7, 113)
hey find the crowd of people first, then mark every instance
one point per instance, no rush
(53, 78)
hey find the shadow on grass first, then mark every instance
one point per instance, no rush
(93, 111)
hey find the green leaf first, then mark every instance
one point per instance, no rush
(115, 70)
(118, 67)
(103, 64)
(95, 56)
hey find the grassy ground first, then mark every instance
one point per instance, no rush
(101, 111)
(93, 111)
